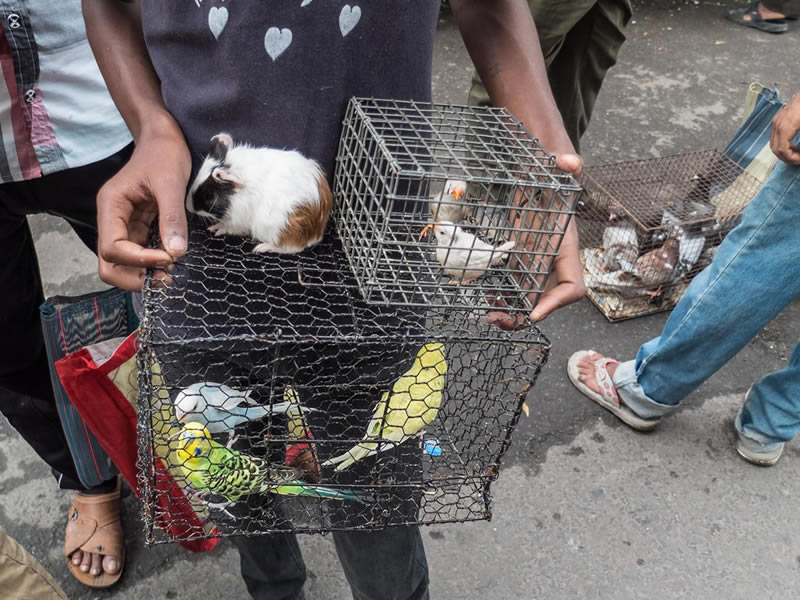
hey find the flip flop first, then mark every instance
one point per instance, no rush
(609, 398)
(93, 525)
(750, 17)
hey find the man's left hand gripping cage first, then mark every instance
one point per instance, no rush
(274, 398)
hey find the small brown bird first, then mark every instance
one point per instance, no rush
(658, 266)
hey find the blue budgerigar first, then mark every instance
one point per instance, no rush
(220, 408)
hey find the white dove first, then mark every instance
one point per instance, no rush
(464, 256)
(447, 205)
(221, 408)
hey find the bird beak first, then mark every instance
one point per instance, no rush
(458, 192)
(425, 231)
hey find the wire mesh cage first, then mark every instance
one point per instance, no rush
(268, 402)
(494, 201)
(648, 227)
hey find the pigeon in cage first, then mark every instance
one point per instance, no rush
(212, 468)
(620, 243)
(464, 256)
(221, 408)
(403, 413)
(448, 205)
(657, 267)
(279, 198)
(697, 220)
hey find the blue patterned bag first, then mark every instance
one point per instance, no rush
(69, 324)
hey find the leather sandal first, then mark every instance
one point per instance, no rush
(93, 526)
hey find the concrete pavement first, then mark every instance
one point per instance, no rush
(584, 508)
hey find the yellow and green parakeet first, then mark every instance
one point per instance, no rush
(212, 468)
(401, 414)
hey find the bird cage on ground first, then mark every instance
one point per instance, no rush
(274, 398)
(493, 200)
(648, 227)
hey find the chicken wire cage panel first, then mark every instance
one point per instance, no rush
(496, 204)
(648, 227)
(268, 405)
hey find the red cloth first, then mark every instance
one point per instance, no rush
(113, 420)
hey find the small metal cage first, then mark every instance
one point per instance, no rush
(300, 371)
(648, 227)
(404, 165)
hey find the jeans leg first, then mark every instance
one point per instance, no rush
(272, 566)
(384, 565)
(753, 277)
(771, 412)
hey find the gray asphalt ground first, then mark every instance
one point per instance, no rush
(584, 507)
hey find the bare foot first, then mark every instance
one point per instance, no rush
(94, 563)
(586, 370)
(768, 14)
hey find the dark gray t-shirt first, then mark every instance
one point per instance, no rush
(280, 72)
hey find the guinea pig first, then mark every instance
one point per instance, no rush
(279, 198)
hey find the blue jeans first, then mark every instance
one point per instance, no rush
(754, 275)
(387, 564)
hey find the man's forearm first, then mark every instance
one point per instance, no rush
(114, 30)
(501, 39)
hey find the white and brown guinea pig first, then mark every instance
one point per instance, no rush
(279, 198)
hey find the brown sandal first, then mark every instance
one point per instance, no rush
(93, 525)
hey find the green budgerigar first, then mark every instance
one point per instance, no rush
(411, 405)
(213, 468)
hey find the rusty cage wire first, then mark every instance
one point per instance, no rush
(403, 166)
(648, 227)
(295, 371)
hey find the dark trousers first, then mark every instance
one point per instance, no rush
(26, 395)
(382, 565)
(580, 41)
(790, 8)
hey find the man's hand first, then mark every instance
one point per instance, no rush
(785, 126)
(565, 284)
(152, 184)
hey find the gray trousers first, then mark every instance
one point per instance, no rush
(580, 41)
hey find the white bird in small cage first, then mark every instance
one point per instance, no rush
(221, 408)
(658, 266)
(620, 243)
(464, 256)
(279, 198)
(448, 205)
(412, 405)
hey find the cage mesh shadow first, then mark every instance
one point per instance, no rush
(648, 227)
(397, 162)
(289, 365)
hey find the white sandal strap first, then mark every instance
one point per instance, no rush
(604, 381)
